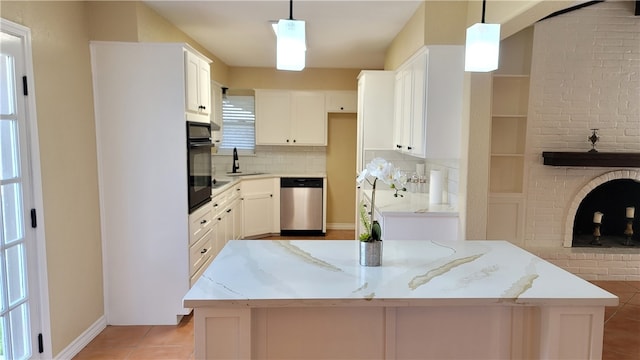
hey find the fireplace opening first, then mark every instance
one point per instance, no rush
(611, 199)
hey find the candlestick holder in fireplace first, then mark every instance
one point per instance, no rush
(596, 235)
(628, 232)
(594, 139)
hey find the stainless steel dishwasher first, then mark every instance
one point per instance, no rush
(301, 206)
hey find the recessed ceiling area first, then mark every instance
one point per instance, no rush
(340, 34)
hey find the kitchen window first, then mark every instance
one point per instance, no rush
(238, 124)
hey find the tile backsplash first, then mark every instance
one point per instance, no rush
(276, 159)
(449, 167)
(313, 159)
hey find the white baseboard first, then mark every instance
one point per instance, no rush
(83, 340)
(341, 226)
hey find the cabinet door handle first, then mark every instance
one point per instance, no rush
(203, 222)
(399, 146)
(409, 148)
(228, 210)
(203, 251)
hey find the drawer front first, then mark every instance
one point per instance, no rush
(200, 252)
(200, 222)
(198, 273)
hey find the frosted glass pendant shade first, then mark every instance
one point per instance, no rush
(483, 47)
(291, 45)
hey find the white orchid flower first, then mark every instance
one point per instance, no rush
(399, 179)
(362, 176)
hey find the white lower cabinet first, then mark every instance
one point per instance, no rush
(236, 216)
(260, 206)
(201, 241)
(226, 214)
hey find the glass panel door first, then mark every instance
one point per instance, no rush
(15, 332)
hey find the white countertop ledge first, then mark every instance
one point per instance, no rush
(410, 204)
(278, 273)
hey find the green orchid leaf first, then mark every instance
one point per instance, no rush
(376, 231)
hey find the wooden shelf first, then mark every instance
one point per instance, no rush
(591, 159)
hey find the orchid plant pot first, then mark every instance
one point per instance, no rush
(371, 253)
(371, 240)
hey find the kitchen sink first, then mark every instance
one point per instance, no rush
(244, 173)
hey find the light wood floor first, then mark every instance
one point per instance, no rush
(330, 235)
(621, 330)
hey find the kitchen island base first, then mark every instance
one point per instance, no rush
(399, 332)
(310, 299)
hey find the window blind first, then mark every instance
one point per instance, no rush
(238, 123)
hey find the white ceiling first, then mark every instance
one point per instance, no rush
(340, 33)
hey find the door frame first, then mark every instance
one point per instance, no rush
(37, 269)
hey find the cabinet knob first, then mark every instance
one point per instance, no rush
(409, 148)
(364, 205)
(399, 146)
(215, 205)
(228, 210)
(341, 108)
(219, 219)
(287, 140)
(294, 140)
(203, 222)
(203, 251)
(271, 195)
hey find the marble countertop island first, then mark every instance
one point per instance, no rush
(310, 299)
(248, 272)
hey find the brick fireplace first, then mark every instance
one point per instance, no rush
(585, 74)
(610, 194)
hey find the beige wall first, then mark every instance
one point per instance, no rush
(307, 79)
(341, 160)
(154, 28)
(102, 16)
(407, 42)
(64, 102)
(433, 23)
(61, 32)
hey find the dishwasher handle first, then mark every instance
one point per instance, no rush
(301, 182)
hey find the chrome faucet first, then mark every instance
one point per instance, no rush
(236, 166)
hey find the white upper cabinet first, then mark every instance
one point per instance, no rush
(342, 101)
(198, 87)
(375, 112)
(428, 103)
(286, 117)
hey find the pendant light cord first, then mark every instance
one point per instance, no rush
(484, 5)
(291, 10)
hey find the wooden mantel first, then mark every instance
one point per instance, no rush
(591, 159)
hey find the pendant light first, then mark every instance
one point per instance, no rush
(482, 49)
(291, 43)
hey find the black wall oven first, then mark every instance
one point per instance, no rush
(199, 164)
